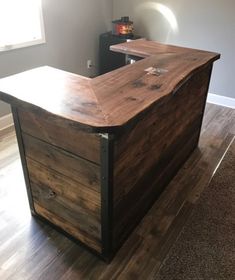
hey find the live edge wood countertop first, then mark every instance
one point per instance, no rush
(113, 100)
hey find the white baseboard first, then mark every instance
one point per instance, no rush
(221, 100)
(6, 121)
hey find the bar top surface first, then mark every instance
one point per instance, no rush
(110, 101)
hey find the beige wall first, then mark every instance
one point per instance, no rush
(208, 25)
(72, 30)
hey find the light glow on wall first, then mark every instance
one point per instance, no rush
(165, 11)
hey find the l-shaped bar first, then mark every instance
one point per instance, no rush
(97, 153)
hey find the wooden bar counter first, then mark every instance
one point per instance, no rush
(96, 153)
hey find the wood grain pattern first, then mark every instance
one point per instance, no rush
(149, 155)
(70, 211)
(72, 228)
(144, 48)
(111, 101)
(133, 206)
(85, 145)
(86, 198)
(72, 205)
(31, 249)
(141, 147)
(83, 171)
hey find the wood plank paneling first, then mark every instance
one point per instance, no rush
(66, 209)
(149, 155)
(145, 144)
(148, 188)
(86, 198)
(83, 171)
(31, 249)
(65, 186)
(85, 145)
(72, 229)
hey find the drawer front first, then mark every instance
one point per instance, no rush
(69, 205)
(83, 144)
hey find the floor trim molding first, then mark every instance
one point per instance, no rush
(6, 121)
(221, 100)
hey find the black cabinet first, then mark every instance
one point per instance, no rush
(109, 60)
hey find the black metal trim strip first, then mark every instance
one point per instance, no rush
(107, 150)
(23, 159)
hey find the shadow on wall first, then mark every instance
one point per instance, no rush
(156, 27)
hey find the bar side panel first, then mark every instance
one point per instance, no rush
(150, 154)
(65, 187)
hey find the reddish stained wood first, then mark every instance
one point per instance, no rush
(111, 100)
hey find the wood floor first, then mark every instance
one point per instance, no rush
(30, 249)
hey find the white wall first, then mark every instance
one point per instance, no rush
(72, 30)
(208, 25)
